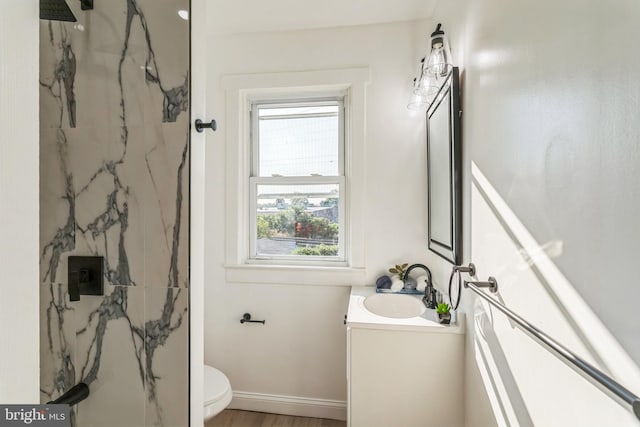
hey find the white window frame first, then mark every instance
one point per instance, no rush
(240, 90)
(337, 99)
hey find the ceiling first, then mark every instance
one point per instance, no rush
(246, 16)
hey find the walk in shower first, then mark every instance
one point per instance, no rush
(114, 182)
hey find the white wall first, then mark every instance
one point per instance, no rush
(197, 260)
(19, 352)
(301, 351)
(550, 93)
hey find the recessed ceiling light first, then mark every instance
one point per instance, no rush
(184, 14)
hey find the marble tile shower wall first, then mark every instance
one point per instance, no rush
(114, 156)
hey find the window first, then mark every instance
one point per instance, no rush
(297, 180)
(253, 178)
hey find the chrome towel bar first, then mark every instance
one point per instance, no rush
(607, 384)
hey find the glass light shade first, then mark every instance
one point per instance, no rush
(418, 82)
(425, 84)
(439, 62)
(428, 85)
(418, 102)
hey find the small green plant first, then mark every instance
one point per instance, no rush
(443, 308)
(399, 269)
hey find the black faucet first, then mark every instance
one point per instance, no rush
(430, 298)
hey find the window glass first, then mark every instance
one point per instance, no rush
(299, 141)
(297, 220)
(297, 180)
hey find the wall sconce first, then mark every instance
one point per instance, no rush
(432, 72)
(417, 100)
(439, 62)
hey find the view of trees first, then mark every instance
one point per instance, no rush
(297, 222)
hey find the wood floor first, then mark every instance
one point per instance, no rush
(237, 418)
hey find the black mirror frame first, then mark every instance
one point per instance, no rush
(450, 88)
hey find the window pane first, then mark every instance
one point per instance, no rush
(299, 141)
(297, 220)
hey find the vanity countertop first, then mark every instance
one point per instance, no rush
(359, 316)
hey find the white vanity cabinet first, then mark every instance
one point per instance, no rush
(403, 372)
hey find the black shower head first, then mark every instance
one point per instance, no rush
(56, 10)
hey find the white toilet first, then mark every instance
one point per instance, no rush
(217, 392)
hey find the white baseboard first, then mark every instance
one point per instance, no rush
(289, 405)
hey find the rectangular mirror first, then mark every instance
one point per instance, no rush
(444, 172)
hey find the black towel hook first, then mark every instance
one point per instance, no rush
(200, 125)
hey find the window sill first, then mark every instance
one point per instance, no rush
(295, 275)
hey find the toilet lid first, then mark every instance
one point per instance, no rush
(216, 385)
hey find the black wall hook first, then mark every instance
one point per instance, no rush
(246, 318)
(200, 125)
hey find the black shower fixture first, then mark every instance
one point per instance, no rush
(58, 10)
(86, 4)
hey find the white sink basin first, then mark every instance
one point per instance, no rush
(394, 306)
